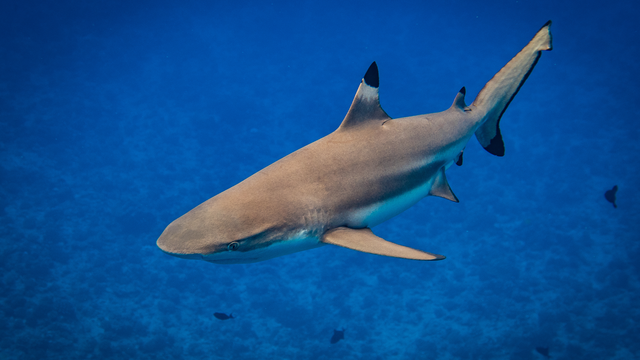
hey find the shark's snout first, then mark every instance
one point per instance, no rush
(183, 240)
(170, 243)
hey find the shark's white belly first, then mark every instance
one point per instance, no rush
(380, 212)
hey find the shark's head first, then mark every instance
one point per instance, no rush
(195, 236)
(221, 238)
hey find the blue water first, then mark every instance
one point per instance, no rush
(116, 118)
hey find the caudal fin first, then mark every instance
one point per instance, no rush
(497, 94)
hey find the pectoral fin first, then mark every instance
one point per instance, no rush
(364, 240)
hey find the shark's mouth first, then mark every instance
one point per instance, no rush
(242, 260)
(184, 256)
(214, 259)
(298, 242)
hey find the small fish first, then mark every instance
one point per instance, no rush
(610, 195)
(544, 351)
(223, 316)
(337, 336)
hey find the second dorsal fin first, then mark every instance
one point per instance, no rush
(365, 108)
(459, 100)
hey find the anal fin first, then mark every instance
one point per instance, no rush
(459, 159)
(366, 241)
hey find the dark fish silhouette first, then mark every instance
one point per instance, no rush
(610, 195)
(337, 336)
(544, 351)
(223, 316)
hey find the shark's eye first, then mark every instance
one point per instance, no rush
(232, 246)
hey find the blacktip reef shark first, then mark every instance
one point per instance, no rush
(336, 189)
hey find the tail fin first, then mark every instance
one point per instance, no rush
(497, 94)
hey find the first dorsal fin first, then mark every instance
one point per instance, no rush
(365, 108)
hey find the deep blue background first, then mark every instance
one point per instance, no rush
(116, 118)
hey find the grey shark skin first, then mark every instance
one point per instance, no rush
(369, 170)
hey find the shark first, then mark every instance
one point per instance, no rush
(334, 190)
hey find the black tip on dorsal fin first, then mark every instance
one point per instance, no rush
(371, 77)
(463, 91)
